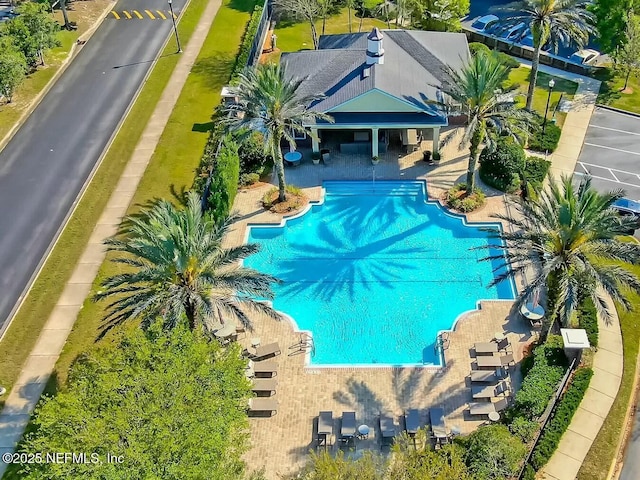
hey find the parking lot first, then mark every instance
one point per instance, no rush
(611, 152)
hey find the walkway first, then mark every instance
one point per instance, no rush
(40, 363)
(607, 361)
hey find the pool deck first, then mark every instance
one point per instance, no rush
(281, 443)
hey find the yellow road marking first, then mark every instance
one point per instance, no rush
(127, 14)
(175, 16)
(138, 14)
(161, 15)
(150, 15)
(115, 14)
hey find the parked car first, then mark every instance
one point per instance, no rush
(483, 24)
(627, 207)
(512, 34)
(586, 56)
(527, 41)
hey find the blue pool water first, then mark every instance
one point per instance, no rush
(375, 273)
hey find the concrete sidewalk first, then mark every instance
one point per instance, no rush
(40, 363)
(607, 361)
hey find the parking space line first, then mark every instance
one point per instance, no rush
(127, 14)
(606, 168)
(115, 14)
(611, 148)
(614, 129)
(607, 179)
(613, 175)
(137, 13)
(148, 12)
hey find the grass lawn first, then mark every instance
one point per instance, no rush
(178, 154)
(611, 91)
(24, 330)
(85, 14)
(562, 87)
(297, 36)
(605, 448)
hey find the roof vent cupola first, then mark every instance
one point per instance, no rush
(375, 52)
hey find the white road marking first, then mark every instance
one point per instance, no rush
(615, 130)
(612, 148)
(613, 175)
(607, 168)
(605, 179)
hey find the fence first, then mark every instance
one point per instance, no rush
(261, 34)
(527, 53)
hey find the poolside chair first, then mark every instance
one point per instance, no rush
(488, 376)
(264, 385)
(485, 408)
(412, 421)
(489, 391)
(348, 428)
(262, 351)
(387, 430)
(493, 361)
(263, 405)
(438, 426)
(325, 428)
(266, 368)
(492, 347)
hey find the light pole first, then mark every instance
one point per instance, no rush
(175, 28)
(546, 110)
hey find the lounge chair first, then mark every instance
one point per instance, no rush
(412, 421)
(492, 346)
(256, 353)
(487, 376)
(387, 429)
(485, 408)
(266, 368)
(348, 427)
(489, 391)
(492, 361)
(263, 405)
(325, 427)
(264, 385)
(438, 425)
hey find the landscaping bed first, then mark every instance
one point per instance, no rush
(295, 201)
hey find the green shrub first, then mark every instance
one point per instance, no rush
(500, 168)
(491, 452)
(523, 428)
(224, 180)
(252, 156)
(247, 41)
(464, 202)
(547, 142)
(247, 179)
(561, 418)
(536, 170)
(529, 473)
(507, 60)
(475, 47)
(588, 319)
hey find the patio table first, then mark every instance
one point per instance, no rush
(293, 158)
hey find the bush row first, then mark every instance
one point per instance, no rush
(588, 319)
(542, 372)
(506, 60)
(561, 419)
(547, 142)
(247, 42)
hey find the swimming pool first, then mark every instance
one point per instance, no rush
(376, 272)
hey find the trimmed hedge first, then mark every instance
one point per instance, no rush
(252, 156)
(224, 180)
(505, 59)
(247, 42)
(561, 419)
(475, 47)
(501, 167)
(548, 142)
(536, 170)
(588, 319)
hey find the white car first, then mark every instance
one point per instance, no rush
(512, 34)
(482, 24)
(585, 57)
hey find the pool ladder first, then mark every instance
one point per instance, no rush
(442, 342)
(304, 344)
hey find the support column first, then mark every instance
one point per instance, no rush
(374, 142)
(315, 143)
(436, 139)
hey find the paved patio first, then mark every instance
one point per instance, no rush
(281, 443)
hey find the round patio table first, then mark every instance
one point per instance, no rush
(363, 431)
(494, 416)
(293, 158)
(531, 312)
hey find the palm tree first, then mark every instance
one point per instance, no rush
(476, 92)
(571, 238)
(269, 102)
(551, 21)
(177, 268)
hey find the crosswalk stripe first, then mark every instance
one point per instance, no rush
(161, 15)
(148, 12)
(138, 14)
(115, 14)
(127, 14)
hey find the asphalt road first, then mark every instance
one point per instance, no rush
(611, 153)
(46, 164)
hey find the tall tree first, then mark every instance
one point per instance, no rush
(325, 9)
(571, 238)
(13, 68)
(610, 19)
(170, 404)
(551, 21)
(270, 103)
(307, 9)
(351, 5)
(474, 92)
(178, 268)
(440, 15)
(627, 55)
